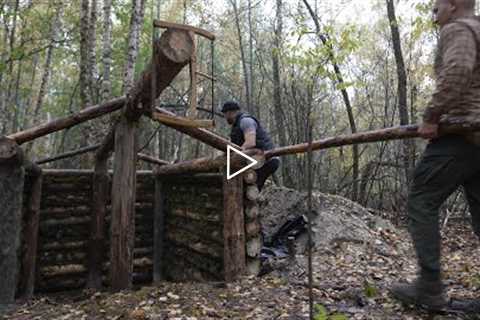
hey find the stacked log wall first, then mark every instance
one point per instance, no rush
(193, 240)
(65, 214)
(194, 227)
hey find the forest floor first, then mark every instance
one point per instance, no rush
(351, 281)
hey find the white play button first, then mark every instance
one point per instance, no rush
(252, 162)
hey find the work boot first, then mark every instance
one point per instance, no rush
(422, 293)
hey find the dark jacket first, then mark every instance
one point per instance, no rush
(263, 140)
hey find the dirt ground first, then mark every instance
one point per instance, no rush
(351, 281)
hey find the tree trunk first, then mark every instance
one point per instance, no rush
(85, 99)
(136, 21)
(402, 86)
(107, 49)
(92, 53)
(9, 78)
(242, 55)
(250, 61)
(54, 28)
(277, 94)
(346, 100)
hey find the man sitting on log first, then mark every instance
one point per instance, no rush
(449, 161)
(249, 134)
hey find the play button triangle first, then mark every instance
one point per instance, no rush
(251, 163)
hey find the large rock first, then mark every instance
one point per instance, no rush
(335, 218)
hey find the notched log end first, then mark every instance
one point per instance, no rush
(10, 152)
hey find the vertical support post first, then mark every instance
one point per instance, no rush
(192, 110)
(233, 228)
(158, 229)
(11, 201)
(96, 245)
(123, 205)
(32, 218)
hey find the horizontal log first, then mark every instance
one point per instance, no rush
(450, 124)
(194, 242)
(195, 215)
(63, 245)
(185, 268)
(69, 154)
(207, 164)
(152, 160)
(85, 114)
(208, 137)
(181, 121)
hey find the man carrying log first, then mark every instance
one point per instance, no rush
(449, 161)
(249, 134)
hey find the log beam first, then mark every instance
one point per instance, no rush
(69, 154)
(152, 160)
(208, 164)
(212, 139)
(69, 121)
(451, 125)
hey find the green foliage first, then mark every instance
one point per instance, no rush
(321, 313)
(370, 290)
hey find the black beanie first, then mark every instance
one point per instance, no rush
(229, 106)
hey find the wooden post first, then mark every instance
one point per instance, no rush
(96, 246)
(11, 201)
(233, 228)
(158, 230)
(32, 218)
(123, 205)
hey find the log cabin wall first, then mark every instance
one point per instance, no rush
(193, 243)
(66, 205)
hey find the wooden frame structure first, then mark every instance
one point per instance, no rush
(173, 51)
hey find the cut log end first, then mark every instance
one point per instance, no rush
(177, 45)
(9, 151)
(250, 177)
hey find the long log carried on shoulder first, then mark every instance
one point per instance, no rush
(450, 124)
